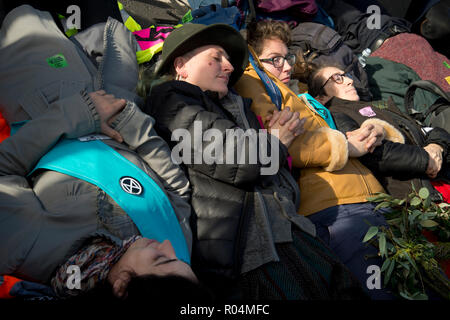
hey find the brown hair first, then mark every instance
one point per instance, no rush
(262, 30)
(315, 81)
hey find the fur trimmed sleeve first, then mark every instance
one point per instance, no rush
(391, 133)
(339, 149)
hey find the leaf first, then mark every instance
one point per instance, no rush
(443, 205)
(400, 242)
(384, 204)
(429, 215)
(420, 296)
(427, 203)
(370, 233)
(386, 264)
(406, 296)
(382, 244)
(428, 223)
(415, 201)
(424, 193)
(412, 216)
(389, 272)
(411, 261)
(378, 198)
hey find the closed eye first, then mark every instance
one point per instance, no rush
(165, 261)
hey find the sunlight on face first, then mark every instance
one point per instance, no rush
(207, 67)
(344, 90)
(273, 48)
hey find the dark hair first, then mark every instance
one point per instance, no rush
(303, 68)
(259, 31)
(315, 81)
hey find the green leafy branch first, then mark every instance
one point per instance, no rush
(410, 260)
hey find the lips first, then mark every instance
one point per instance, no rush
(225, 78)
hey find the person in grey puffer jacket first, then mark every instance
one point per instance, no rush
(248, 240)
(55, 83)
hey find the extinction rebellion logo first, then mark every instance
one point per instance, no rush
(131, 186)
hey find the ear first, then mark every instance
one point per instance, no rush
(179, 64)
(119, 286)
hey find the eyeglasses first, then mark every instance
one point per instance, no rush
(278, 61)
(338, 78)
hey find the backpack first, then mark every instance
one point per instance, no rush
(438, 114)
(323, 45)
(290, 11)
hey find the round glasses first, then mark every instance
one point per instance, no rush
(338, 78)
(278, 61)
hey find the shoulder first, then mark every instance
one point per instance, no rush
(173, 94)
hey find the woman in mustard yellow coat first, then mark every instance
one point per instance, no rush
(334, 185)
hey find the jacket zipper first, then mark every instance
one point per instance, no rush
(237, 249)
(260, 198)
(356, 165)
(99, 83)
(263, 205)
(290, 179)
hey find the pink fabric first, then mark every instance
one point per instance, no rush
(289, 158)
(414, 51)
(152, 36)
(308, 7)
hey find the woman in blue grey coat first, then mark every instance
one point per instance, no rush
(53, 207)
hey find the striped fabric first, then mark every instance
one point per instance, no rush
(307, 270)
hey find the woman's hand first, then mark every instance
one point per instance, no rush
(287, 123)
(108, 107)
(435, 159)
(371, 134)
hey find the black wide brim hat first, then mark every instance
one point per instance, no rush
(191, 36)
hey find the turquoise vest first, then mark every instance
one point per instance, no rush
(133, 190)
(321, 110)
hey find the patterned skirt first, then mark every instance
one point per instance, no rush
(307, 270)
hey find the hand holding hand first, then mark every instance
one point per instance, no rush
(435, 159)
(371, 134)
(108, 107)
(288, 124)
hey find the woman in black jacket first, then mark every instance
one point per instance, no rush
(414, 153)
(248, 240)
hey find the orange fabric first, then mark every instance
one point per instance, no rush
(6, 286)
(4, 129)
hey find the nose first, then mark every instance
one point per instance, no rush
(227, 66)
(167, 248)
(287, 67)
(348, 81)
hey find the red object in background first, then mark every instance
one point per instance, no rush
(426, 62)
(443, 188)
(4, 129)
(6, 284)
